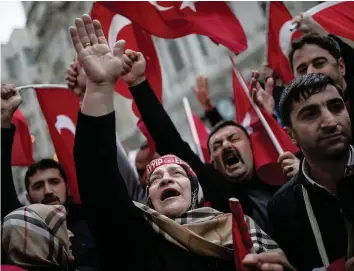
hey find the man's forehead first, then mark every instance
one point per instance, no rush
(310, 51)
(329, 93)
(226, 131)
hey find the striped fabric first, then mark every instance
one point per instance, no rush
(205, 231)
(36, 235)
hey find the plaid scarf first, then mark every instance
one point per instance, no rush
(36, 236)
(205, 231)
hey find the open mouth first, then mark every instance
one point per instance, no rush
(231, 158)
(169, 193)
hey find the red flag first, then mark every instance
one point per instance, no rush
(22, 146)
(60, 107)
(336, 17)
(242, 242)
(265, 155)
(116, 27)
(279, 24)
(174, 19)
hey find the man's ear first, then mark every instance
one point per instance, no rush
(291, 134)
(342, 66)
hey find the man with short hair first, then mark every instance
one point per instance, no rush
(46, 183)
(310, 213)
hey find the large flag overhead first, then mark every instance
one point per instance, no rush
(174, 19)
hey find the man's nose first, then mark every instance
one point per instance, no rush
(329, 122)
(226, 144)
(48, 189)
(312, 69)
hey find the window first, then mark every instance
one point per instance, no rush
(176, 56)
(30, 58)
(11, 65)
(202, 45)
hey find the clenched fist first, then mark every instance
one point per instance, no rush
(102, 65)
(10, 101)
(77, 79)
(289, 163)
(137, 72)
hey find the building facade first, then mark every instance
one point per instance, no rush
(181, 61)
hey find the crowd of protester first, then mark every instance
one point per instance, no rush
(168, 210)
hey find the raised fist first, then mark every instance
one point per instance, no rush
(137, 72)
(101, 65)
(10, 101)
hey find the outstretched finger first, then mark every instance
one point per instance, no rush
(269, 87)
(118, 48)
(81, 30)
(91, 32)
(76, 40)
(99, 32)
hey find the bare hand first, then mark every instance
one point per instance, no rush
(77, 79)
(263, 98)
(202, 93)
(101, 66)
(137, 73)
(289, 163)
(349, 264)
(10, 101)
(306, 24)
(267, 261)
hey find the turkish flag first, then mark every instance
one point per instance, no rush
(117, 27)
(59, 107)
(174, 19)
(279, 24)
(265, 155)
(22, 148)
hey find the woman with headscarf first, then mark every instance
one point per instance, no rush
(174, 231)
(36, 237)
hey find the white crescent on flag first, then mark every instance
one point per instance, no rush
(117, 24)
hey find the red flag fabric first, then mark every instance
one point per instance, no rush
(174, 19)
(60, 107)
(279, 24)
(242, 242)
(116, 27)
(336, 17)
(265, 155)
(22, 148)
(203, 135)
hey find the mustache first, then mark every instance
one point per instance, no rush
(50, 198)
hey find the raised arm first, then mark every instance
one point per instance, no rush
(10, 101)
(102, 189)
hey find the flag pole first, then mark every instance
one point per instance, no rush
(43, 86)
(192, 128)
(257, 110)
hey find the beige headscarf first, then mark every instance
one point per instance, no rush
(36, 235)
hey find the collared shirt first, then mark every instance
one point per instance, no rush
(304, 167)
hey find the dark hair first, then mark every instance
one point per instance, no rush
(43, 164)
(326, 43)
(223, 124)
(303, 88)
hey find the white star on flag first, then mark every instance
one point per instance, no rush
(188, 4)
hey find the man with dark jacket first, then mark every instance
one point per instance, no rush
(312, 213)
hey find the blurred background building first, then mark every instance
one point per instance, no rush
(42, 52)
